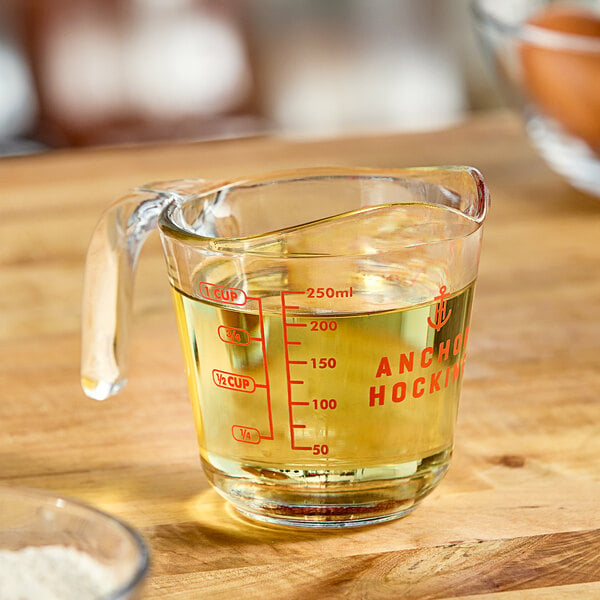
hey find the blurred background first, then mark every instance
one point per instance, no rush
(93, 72)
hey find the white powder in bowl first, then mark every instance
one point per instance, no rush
(52, 573)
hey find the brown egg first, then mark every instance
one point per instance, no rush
(565, 83)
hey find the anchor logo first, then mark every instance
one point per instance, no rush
(441, 318)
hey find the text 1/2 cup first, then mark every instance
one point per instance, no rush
(324, 319)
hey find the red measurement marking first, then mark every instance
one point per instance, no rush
(222, 294)
(240, 337)
(233, 381)
(233, 335)
(295, 324)
(286, 344)
(249, 435)
(298, 362)
(296, 381)
(301, 403)
(267, 385)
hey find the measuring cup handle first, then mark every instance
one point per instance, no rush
(107, 290)
(109, 276)
(108, 281)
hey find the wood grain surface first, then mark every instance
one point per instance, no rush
(517, 515)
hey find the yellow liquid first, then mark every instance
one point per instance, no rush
(291, 404)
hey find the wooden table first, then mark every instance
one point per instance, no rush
(518, 513)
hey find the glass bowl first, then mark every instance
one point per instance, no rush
(52, 547)
(547, 57)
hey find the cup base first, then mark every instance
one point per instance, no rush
(339, 524)
(331, 499)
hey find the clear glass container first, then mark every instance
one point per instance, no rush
(546, 56)
(324, 317)
(55, 547)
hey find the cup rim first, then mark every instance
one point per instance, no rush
(169, 226)
(536, 35)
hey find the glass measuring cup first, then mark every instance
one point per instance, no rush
(324, 318)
